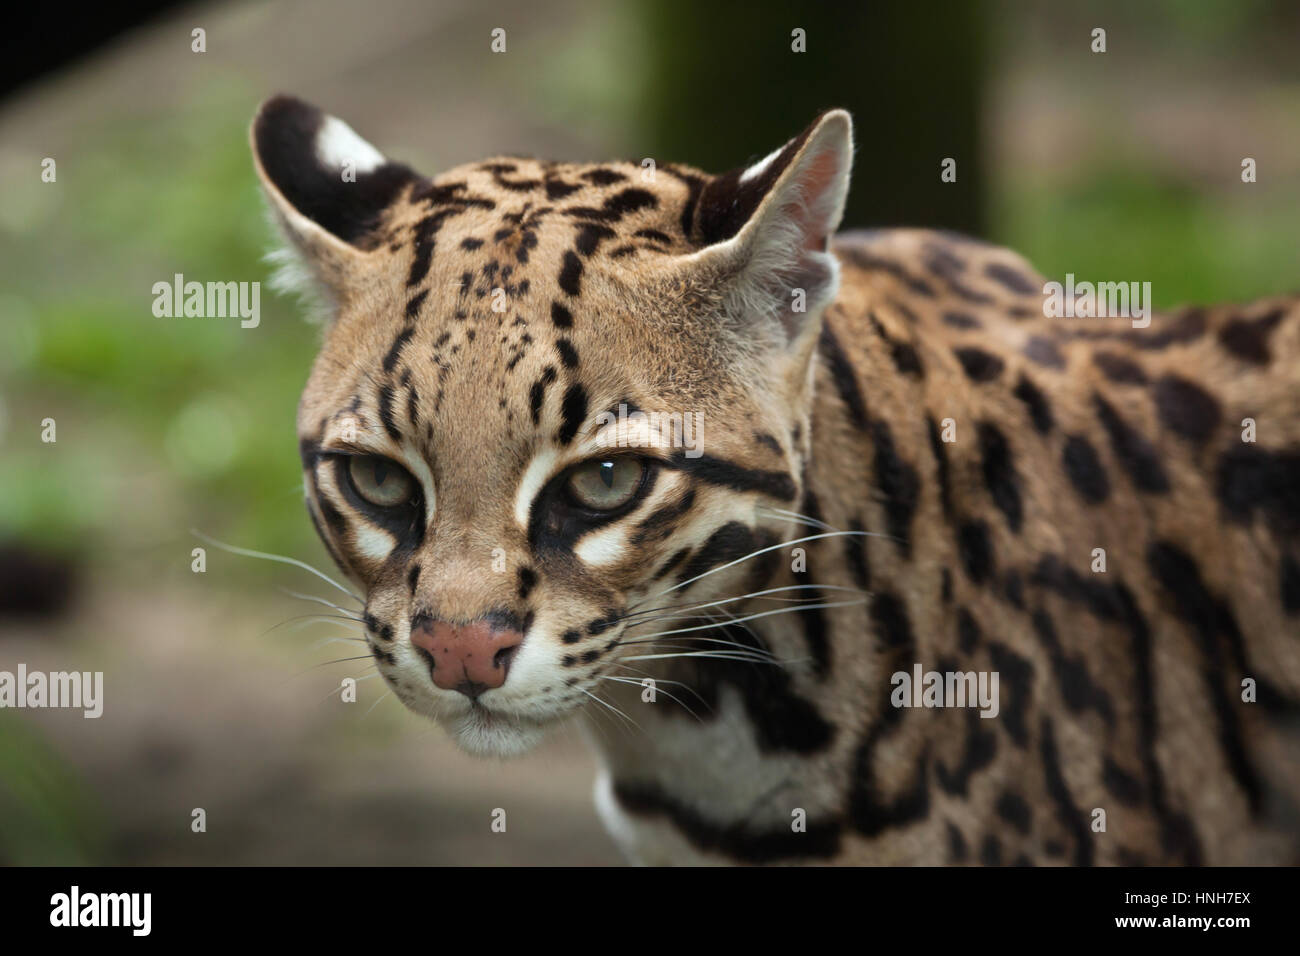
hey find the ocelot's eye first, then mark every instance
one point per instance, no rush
(380, 481)
(604, 484)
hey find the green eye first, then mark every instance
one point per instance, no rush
(380, 481)
(605, 484)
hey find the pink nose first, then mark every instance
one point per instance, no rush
(469, 658)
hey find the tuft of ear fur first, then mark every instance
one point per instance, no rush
(327, 189)
(768, 226)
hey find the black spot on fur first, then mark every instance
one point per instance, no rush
(821, 840)
(603, 177)
(845, 378)
(590, 235)
(1040, 412)
(1247, 339)
(1083, 468)
(1077, 687)
(1017, 679)
(1072, 819)
(1126, 787)
(957, 851)
(962, 320)
(976, 550)
(1134, 451)
(1045, 352)
(1119, 369)
(1013, 808)
(1011, 279)
(416, 303)
(537, 394)
(968, 631)
(899, 486)
(560, 316)
(394, 350)
(941, 467)
(1251, 479)
(573, 411)
(855, 553)
(979, 365)
(1207, 617)
(568, 354)
(1000, 474)
(558, 189)
(1185, 408)
(571, 273)
(1289, 584)
(981, 747)
(889, 614)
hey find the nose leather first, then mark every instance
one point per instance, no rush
(469, 658)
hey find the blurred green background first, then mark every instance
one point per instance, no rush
(1124, 165)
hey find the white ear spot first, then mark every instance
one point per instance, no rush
(758, 168)
(338, 144)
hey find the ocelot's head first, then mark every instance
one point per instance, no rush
(549, 395)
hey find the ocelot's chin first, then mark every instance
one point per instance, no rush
(486, 733)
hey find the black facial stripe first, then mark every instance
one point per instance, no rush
(405, 524)
(662, 523)
(555, 524)
(726, 474)
(573, 411)
(386, 393)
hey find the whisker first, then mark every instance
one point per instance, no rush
(304, 619)
(795, 517)
(248, 553)
(722, 656)
(752, 595)
(320, 600)
(635, 682)
(614, 709)
(754, 554)
(760, 614)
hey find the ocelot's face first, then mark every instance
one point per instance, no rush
(537, 425)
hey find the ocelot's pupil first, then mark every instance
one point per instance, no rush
(381, 472)
(607, 473)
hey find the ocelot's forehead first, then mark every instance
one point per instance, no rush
(514, 296)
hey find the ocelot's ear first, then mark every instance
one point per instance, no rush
(327, 187)
(767, 227)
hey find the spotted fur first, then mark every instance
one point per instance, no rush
(1120, 691)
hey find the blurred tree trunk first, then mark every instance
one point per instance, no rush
(726, 88)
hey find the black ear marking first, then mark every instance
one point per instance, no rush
(287, 136)
(726, 202)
